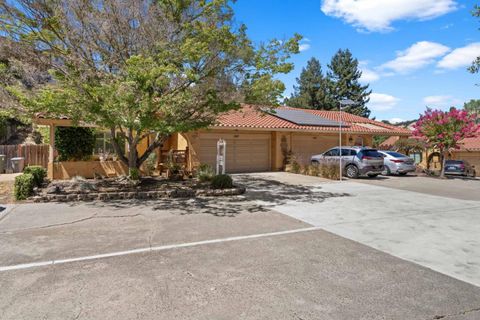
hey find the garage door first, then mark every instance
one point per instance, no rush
(305, 146)
(245, 152)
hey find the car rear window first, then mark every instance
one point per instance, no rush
(453, 162)
(396, 154)
(371, 153)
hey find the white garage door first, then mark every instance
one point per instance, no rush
(305, 146)
(245, 152)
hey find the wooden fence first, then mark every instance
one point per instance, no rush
(34, 154)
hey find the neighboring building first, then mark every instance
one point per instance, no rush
(430, 159)
(259, 139)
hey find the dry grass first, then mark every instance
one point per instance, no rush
(6, 192)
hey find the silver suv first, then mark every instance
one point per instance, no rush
(356, 161)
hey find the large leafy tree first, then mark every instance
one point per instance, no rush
(473, 107)
(443, 130)
(312, 88)
(145, 67)
(475, 67)
(23, 66)
(344, 76)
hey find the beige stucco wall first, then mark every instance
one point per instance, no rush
(87, 169)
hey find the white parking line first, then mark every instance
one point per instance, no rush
(151, 249)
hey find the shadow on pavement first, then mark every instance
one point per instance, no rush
(262, 194)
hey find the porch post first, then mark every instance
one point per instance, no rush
(51, 154)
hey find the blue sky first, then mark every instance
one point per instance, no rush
(413, 52)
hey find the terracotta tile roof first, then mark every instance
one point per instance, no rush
(249, 116)
(389, 143)
(470, 144)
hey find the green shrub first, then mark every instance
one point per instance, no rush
(134, 174)
(222, 181)
(330, 171)
(313, 170)
(74, 143)
(205, 173)
(38, 173)
(24, 186)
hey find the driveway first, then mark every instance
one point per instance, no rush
(435, 231)
(212, 258)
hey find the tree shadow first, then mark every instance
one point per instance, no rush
(262, 195)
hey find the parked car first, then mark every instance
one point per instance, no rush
(459, 168)
(397, 163)
(356, 161)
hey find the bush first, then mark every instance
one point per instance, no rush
(313, 170)
(38, 173)
(24, 186)
(330, 171)
(74, 143)
(134, 174)
(222, 181)
(205, 173)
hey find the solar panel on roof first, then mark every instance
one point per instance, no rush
(303, 118)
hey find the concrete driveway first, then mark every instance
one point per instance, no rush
(221, 258)
(435, 231)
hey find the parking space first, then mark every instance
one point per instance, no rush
(239, 257)
(401, 218)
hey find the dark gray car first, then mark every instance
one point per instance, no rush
(459, 168)
(356, 161)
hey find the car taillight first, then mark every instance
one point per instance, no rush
(462, 166)
(398, 161)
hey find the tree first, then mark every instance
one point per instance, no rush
(409, 145)
(444, 129)
(473, 107)
(23, 66)
(145, 67)
(343, 77)
(475, 67)
(311, 90)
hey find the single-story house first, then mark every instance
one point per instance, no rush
(430, 159)
(257, 139)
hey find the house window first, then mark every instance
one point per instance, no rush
(103, 144)
(417, 157)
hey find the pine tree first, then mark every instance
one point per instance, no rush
(311, 91)
(343, 78)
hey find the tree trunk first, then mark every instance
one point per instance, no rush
(442, 161)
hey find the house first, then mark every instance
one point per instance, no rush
(257, 139)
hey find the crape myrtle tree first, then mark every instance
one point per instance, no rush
(145, 67)
(443, 130)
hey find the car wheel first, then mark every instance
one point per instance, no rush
(352, 172)
(315, 163)
(402, 173)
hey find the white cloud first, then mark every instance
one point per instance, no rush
(304, 47)
(396, 120)
(460, 57)
(369, 76)
(416, 56)
(382, 102)
(441, 101)
(378, 15)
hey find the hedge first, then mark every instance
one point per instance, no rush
(74, 143)
(24, 186)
